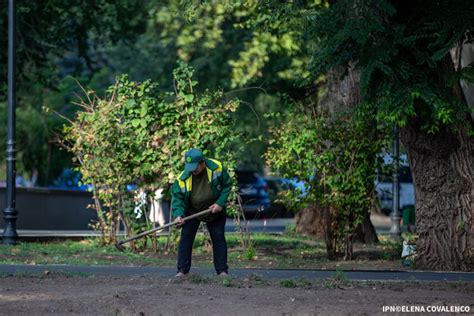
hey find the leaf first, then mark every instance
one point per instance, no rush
(130, 103)
(136, 122)
(189, 98)
(144, 111)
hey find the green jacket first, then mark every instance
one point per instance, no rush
(182, 188)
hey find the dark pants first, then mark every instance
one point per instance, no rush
(219, 245)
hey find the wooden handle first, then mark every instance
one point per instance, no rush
(175, 222)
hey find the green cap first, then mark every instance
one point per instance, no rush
(192, 158)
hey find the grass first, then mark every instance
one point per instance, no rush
(340, 276)
(256, 279)
(268, 251)
(294, 283)
(200, 279)
(338, 281)
(44, 274)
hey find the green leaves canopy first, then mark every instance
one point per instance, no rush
(399, 49)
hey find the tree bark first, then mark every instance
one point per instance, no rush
(309, 222)
(443, 173)
(442, 165)
(318, 221)
(366, 232)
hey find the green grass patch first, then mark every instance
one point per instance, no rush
(340, 276)
(293, 283)
(228, 282)
(256, 279)
(199, 279)
(267, 251)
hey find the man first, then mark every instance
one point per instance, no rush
(203, 184)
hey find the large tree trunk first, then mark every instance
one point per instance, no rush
(341, 95)
(443, 172)
(366, 231)
(309, 222)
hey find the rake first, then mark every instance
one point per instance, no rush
(119, 243)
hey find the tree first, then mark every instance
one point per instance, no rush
(251, 49)
(231, 44)
(68, 33)
(243, 43)
(407, 78)
(56, 39)
(336, 156)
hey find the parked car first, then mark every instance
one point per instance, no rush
(70, 179)
(275, 186)
(253, 190)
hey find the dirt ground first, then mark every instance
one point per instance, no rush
(194, 295)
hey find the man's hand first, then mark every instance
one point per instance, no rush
(215, 208)
(180, 220)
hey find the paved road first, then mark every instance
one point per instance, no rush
(265, 273)
(274, 226)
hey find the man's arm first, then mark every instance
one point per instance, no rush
(226, 187)
(177, 200)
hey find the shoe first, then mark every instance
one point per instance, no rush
(223, 274)
(179, 275)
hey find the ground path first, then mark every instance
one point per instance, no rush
(240, 273)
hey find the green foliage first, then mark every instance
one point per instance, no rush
(49, 28)
(290, 230)
(410, 238)
(392, 249)
(231, 44)
(336, 157)
(138, 135)
(288, 283)
(277, 252)
(245, 35)
(340, 276)
(250, 253)
(402, 53)
(228, 282)
(37, 153)
(55, 39)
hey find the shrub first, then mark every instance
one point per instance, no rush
(138, 135)
(336, 157)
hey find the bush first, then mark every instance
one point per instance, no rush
(138, 135)
(336, 157)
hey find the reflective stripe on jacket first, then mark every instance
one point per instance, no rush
(182, 188)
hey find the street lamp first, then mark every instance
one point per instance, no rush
(395, 216)
(10, 235)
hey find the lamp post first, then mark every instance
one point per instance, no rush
(395, 216)
(10, 235)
